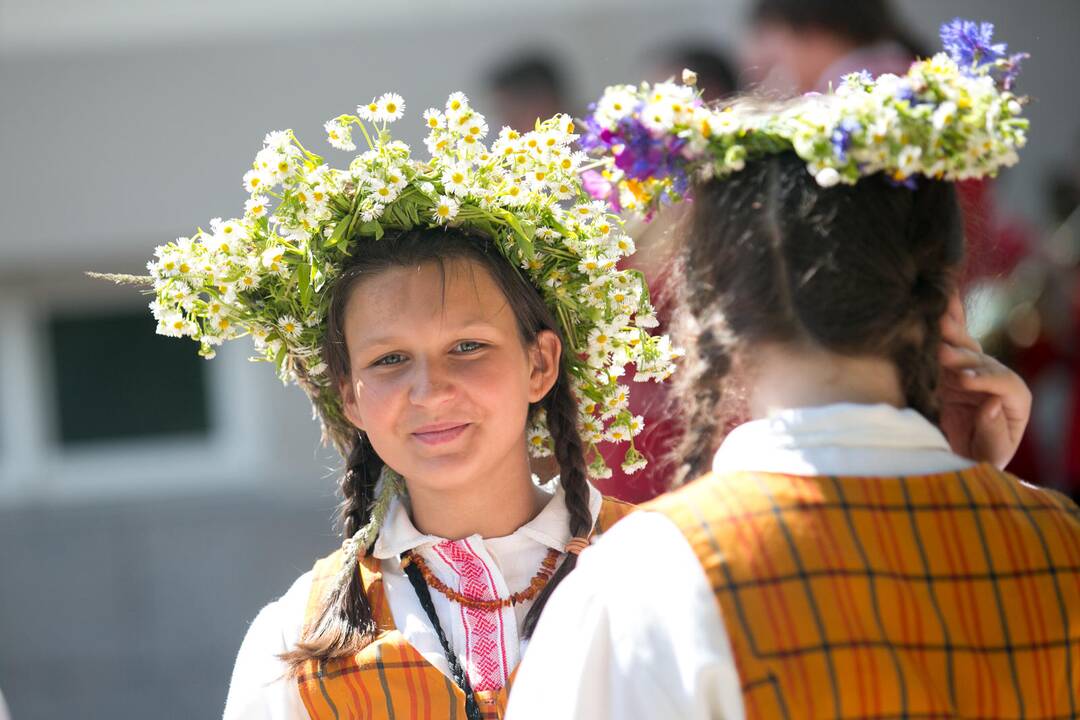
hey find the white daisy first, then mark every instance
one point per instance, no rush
(434, 119)
(908, 160)
(273, 258)
(944, 115)
(338, 135)
(475, 126)
(563, 191)
(446, 209)
(617, 433)
(618, 102)
(256, 181)
(658, 116)
(289, 326)
(256, 205)
(396, 178)
(368, 112)
(539, 442)
(514, 195)
(390, 107)
(456, 106)
(247, 281)
(382, 192)
(173, 324)
(319, 196)
(633, 463)
(456, 179)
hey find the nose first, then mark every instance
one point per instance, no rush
(432, 384)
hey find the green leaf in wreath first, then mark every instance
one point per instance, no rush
(339, 231)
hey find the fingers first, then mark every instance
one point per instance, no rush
(960, 357)
(955, 308)
(992, 439)
(993, 378)
(954, 332)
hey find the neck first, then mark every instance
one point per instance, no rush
(787, 376)
(483, 507)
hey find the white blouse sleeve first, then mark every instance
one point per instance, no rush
(259, 689)
(634, 632)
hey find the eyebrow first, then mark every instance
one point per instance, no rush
(395, 339)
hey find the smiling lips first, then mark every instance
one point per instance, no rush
(440, 433)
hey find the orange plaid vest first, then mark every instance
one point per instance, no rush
(389, 678)
(948, 595)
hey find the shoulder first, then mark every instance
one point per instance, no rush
(638, 605)
(692, 492)
(259, 687)
(642, 568)
(612, 510)
(281, 621)
(1044, 496)
(689, 506)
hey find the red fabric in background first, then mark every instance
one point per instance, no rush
(653, 401)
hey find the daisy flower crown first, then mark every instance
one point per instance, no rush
(951, 117)
(266, 274)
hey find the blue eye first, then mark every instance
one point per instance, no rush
(468, 346)
(387, 360)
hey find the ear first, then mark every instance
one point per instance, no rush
(349, 404)
(544, 356)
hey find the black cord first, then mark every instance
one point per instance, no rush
(423, 594)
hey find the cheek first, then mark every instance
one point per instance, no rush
(378, 402)
(501, 388)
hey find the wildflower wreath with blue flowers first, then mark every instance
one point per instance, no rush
(952, 116)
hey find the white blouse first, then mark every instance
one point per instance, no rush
(488, 643)
(635, 631)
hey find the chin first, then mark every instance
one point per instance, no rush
(449, 473)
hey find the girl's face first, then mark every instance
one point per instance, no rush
(440, 380)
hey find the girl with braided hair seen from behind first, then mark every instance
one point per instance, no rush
(841, 554)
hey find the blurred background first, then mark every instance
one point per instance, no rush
(151, 502)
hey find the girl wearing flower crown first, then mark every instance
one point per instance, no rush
(837, 558)
(447, 318)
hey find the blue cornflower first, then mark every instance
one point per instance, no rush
(841, 137)
(1006, 73)
(971, 44)
(904, 91)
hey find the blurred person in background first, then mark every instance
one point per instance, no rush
(799, 46)
(528, 87)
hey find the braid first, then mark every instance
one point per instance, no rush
(570, 454)
(345, 624)
(362, 468)
(701, 381)
(933, 206)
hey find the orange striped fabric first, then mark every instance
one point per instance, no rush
(949, 595)
(389, 678)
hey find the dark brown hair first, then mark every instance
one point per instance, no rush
(862, 22)
(769, 255)
(345, 624)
